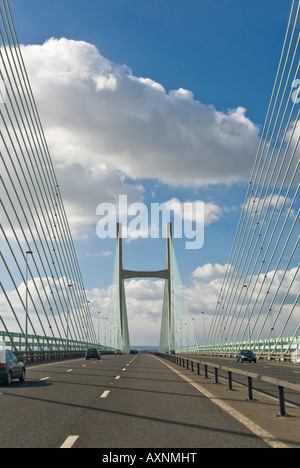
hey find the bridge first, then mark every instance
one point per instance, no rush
(148, 400)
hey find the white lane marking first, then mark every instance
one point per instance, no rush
(257, 430)
(105, 394)
(70, 370)
(45, 378)
(124, 369)
(117, 378)
(69, 442)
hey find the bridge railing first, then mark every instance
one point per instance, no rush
(33, 357)
(203, 366)
(267, 356)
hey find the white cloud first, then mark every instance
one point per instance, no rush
(97, 113)
(212, 212)
(209, 271)
(107, 128)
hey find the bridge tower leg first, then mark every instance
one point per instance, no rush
(128, 274)
(169, 240)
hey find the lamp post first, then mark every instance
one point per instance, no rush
(86, 323)
(28, 252)
(248, 315)
(204, 333)
(105, 332)
(69, 286)
(99, 312)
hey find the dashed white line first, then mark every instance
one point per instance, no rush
(105, 394)
(69, 442)
(70, 370)
(45, 378)
(117, 378)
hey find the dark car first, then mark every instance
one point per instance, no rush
(92, 353)
(11, 367)
(245, 355)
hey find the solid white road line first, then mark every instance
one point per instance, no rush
(69, 442)
(105, 394)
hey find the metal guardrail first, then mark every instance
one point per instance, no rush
(32, 357)
(194, 365)
(282, 357)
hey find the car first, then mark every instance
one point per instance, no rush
(245, 355)
(92, 353)
(11, 367)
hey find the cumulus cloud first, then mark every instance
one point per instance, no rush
(98, 114)
(209, 271)
(108, 129)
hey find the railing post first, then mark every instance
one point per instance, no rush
(250, 389)
(198, 368)
(216, 375)
(281, 400)
(205, 370)
(230, 380)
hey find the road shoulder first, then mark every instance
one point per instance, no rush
(260, 416)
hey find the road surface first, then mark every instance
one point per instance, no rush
(119, 402)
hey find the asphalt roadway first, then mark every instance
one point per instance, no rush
(134, 401)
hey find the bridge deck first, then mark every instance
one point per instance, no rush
(121, 401)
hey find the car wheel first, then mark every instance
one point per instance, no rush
(22, 378)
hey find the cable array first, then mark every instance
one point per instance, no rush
(259, 297)
(41, 282)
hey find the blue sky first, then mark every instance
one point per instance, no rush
(224, 55)
(225, 51)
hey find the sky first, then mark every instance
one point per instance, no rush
(158, 100)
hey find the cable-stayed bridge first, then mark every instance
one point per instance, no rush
(177, 329)
(43, 298)
(142, 401)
